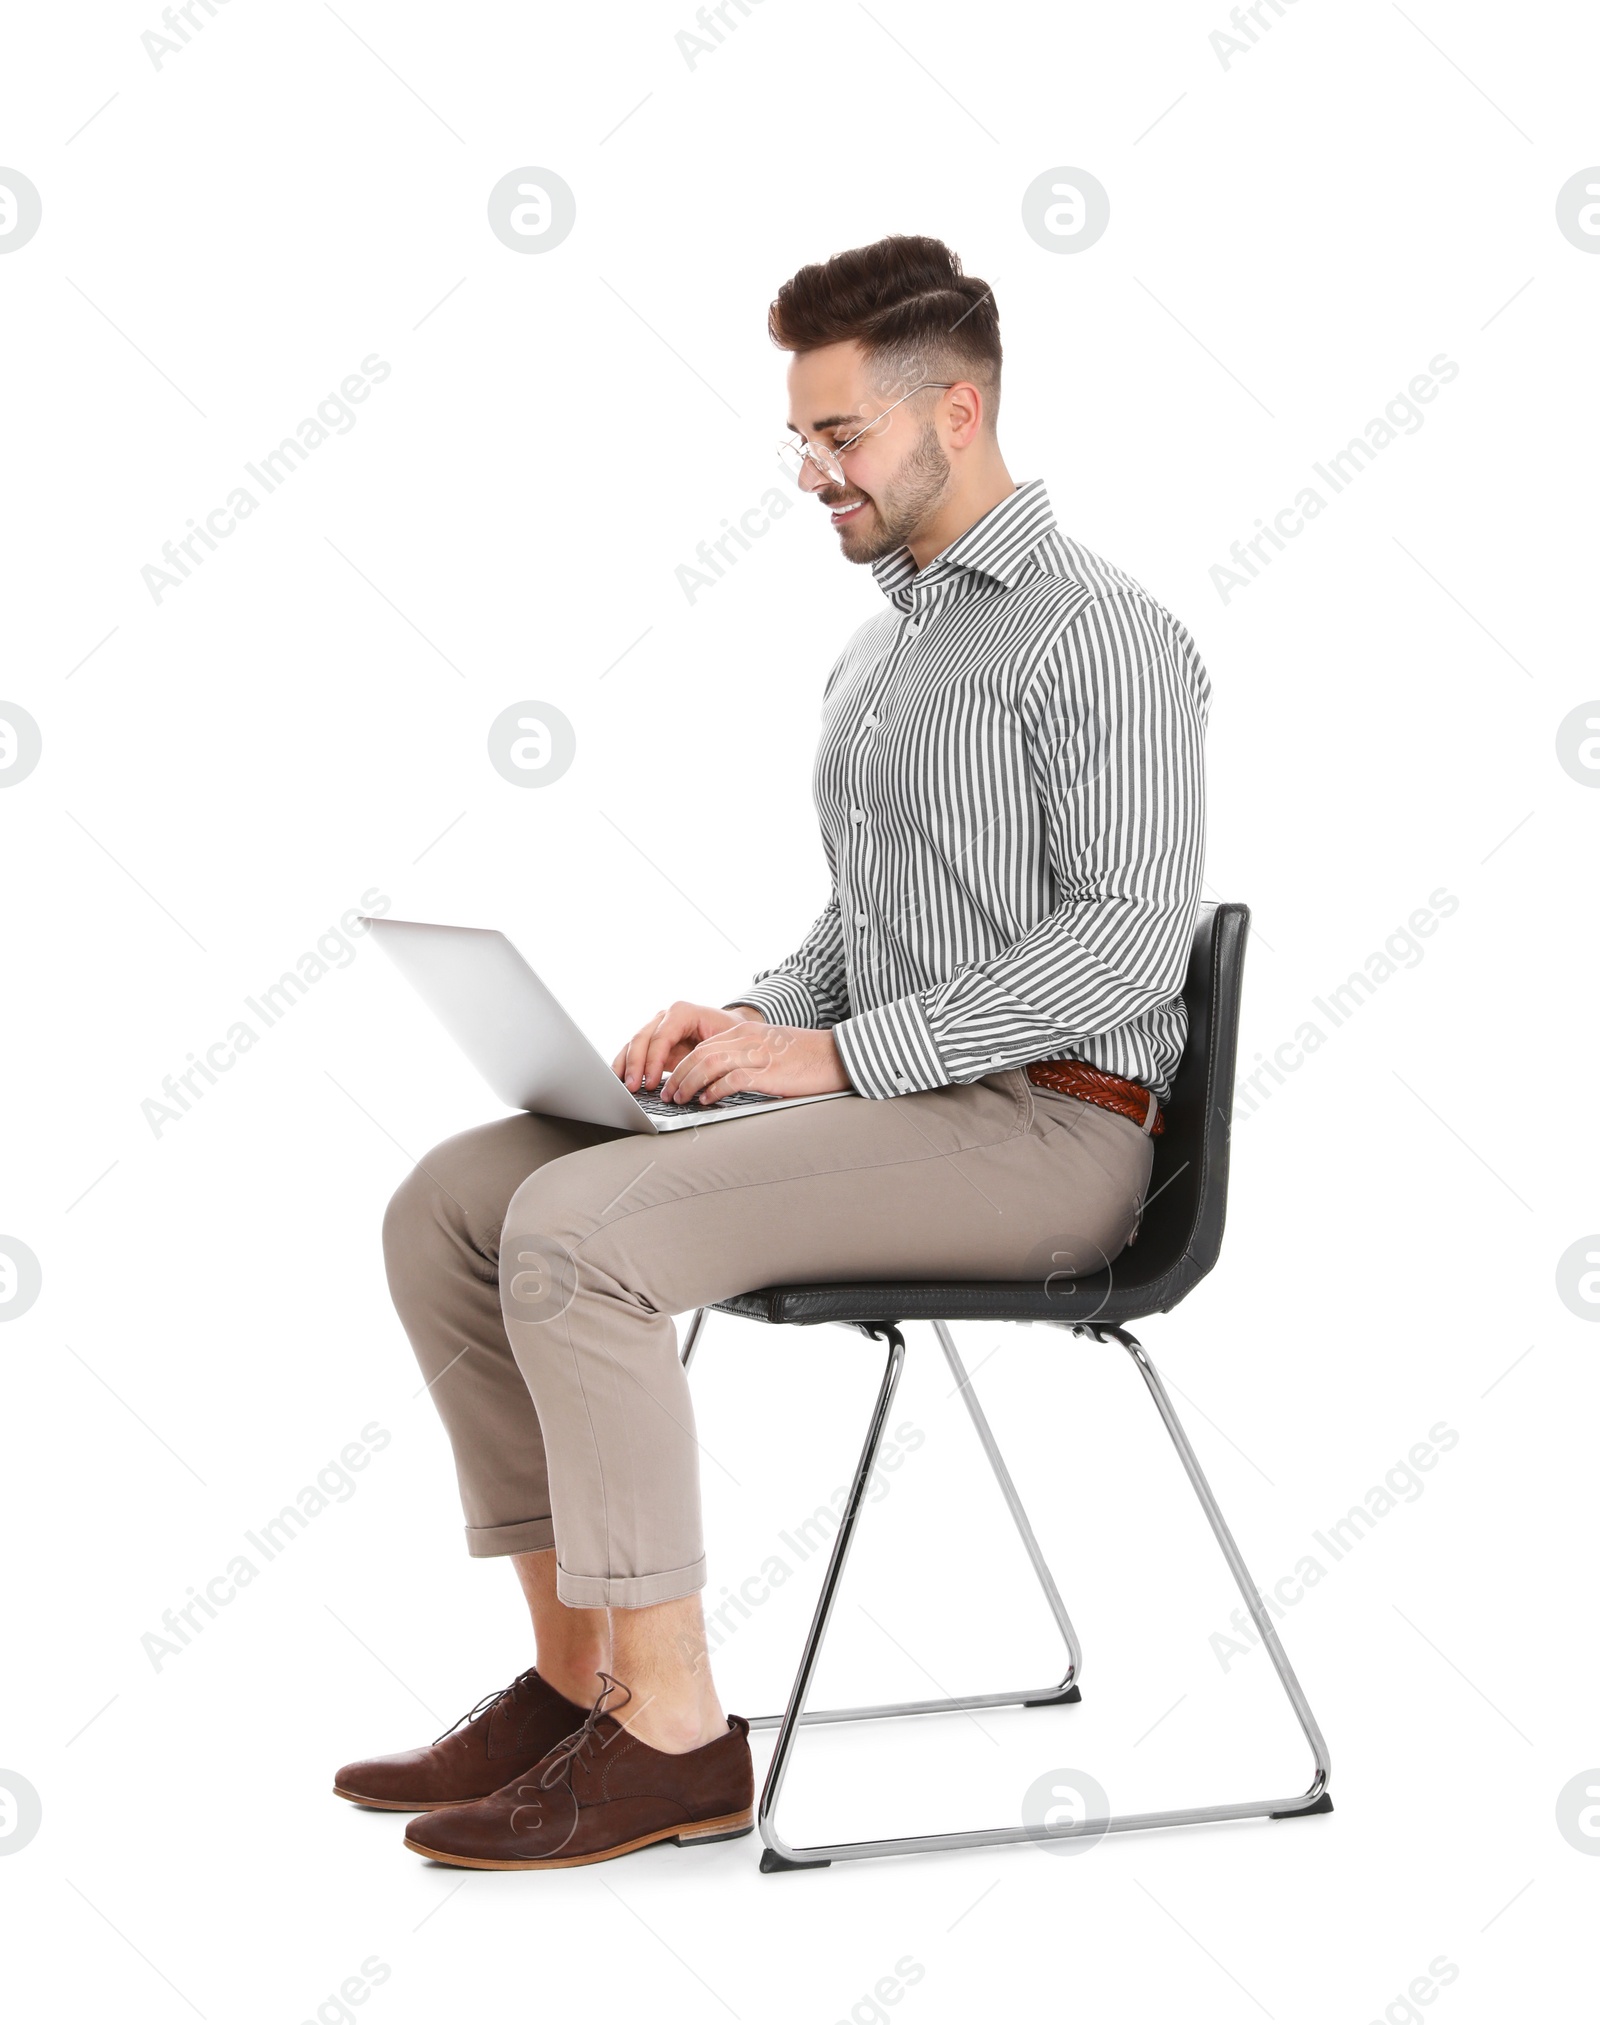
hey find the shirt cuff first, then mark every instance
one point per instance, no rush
(784, 1001)
(889, 1051)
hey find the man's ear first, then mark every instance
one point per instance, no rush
(965, 413)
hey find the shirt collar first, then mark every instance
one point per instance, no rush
(995, 547)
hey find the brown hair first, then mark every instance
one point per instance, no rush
(906, 302)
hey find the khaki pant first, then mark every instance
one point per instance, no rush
(537, 1263)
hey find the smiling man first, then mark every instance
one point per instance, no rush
(1009, 787)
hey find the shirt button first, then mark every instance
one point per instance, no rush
(861, 921)
(858, 815)
(913, 624)
(870, 721)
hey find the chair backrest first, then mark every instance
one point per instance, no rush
(1181, 1232)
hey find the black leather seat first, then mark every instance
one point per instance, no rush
(1181, 1233)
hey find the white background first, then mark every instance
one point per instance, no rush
(1294, 234)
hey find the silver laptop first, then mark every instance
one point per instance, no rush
(527, 1049)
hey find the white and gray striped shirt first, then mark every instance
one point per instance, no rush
(1009, 783)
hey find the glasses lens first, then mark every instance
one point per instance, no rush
(794, 457)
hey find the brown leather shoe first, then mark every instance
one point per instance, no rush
(504, 1736)
(599, 1794)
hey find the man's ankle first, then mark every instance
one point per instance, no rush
(673, 1730)
(575, 1680)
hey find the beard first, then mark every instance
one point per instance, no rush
(904, 502)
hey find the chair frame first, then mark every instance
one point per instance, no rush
(780, 1855)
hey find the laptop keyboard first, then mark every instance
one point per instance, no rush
(665, 1108)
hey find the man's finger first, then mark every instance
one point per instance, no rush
(645, 1041)
(695, 1069)
(720, 1071)
(638, 1050)
(732, 1079)
(632, 1056)
(685, 1079)
(659, 1042)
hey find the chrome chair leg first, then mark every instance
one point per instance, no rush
(691, 1336)
(1065, 1689)
(1052, 1694)
(779, 1855)
(794, 1713)
(1316, 1798)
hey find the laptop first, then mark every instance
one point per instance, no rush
(530, 1052)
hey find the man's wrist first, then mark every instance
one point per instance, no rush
(750, 1012)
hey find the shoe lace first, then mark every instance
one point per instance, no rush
(489, 1701)
(566, 1753)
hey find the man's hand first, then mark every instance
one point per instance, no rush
(662, 1043)
(778, 1061)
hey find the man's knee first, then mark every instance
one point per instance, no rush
(551, 1242)
(411, 1216)
(455, 1192)
(542, 1208)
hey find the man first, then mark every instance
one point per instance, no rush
(1010, 792)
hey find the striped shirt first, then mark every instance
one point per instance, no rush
(1009, 784)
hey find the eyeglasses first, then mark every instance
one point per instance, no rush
(795, 456)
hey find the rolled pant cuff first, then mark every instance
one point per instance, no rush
(628, 1592)
(531, 1536)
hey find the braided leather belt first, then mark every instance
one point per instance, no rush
(1099, 1086)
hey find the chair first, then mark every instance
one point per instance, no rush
(1177, 1245)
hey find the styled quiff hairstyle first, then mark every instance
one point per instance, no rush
(906, 302)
